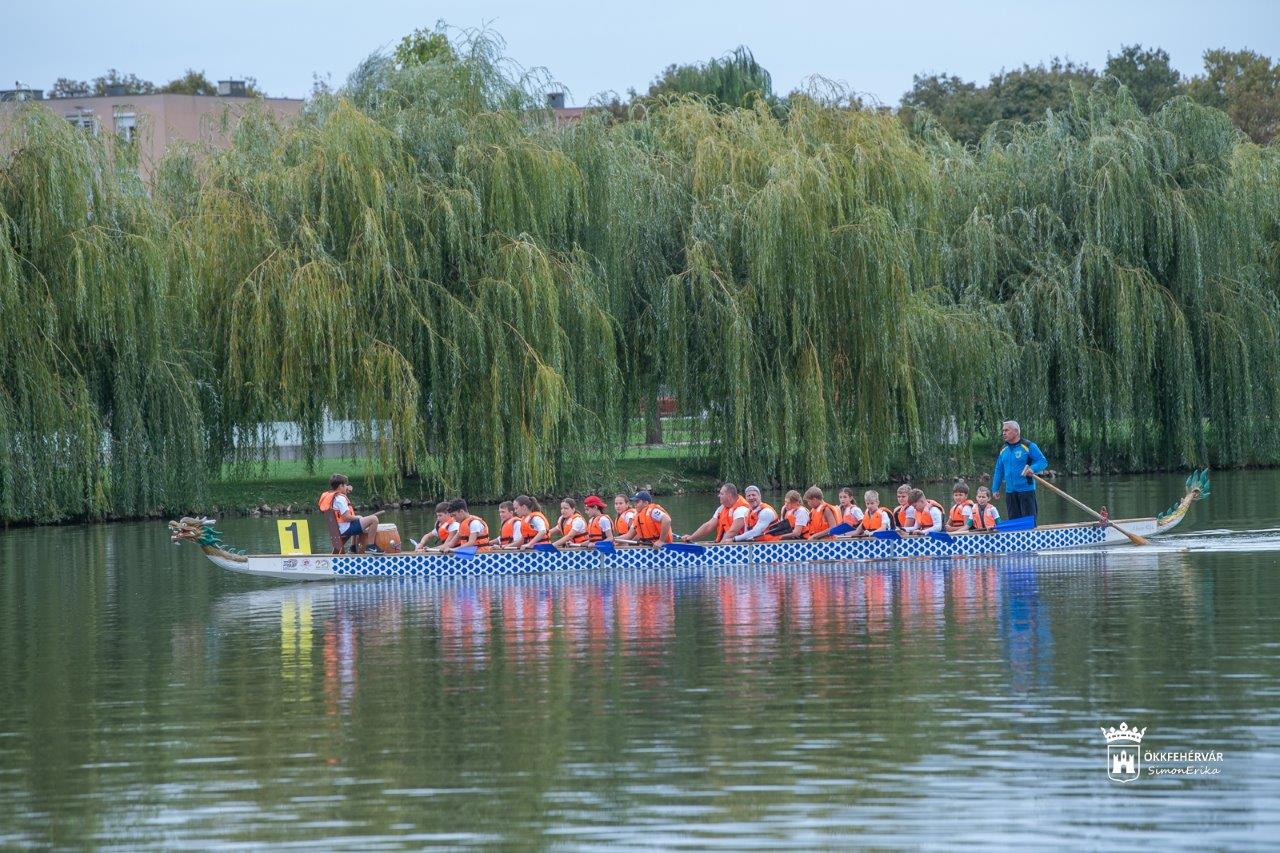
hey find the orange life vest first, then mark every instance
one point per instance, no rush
(753, 517)
(900, 515)
(442, 529)
(980, 519)
(464, 531)
(956, 516)
(818, 519)
(594, 531)
(876, 521)
(326, 503)
(565, 526)
(850, 516)
(932, 503)
(526, 527)
(622, 523)
(648, 529)
(507, 534)
(724, 521)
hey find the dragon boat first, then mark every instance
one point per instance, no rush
(1002, 542)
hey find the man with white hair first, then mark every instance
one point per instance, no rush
(1015, 464)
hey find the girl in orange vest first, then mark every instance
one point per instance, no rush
(961, 508)
(985, 515)
(534, 527)
(571, 526)
(795, 514)
(626, 515)
(822, 515)
(850, 514)
(599, 526)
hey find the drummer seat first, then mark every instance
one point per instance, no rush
(336, 539)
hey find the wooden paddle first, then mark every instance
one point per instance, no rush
(1132, 537)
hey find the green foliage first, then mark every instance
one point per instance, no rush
(1244, 84)
(734, 79)
(1147, 75)
(192, 82)
(424, 46)
(64, 87)
(113, 82)
(495, 300)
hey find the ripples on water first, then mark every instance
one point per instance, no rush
(159, 702)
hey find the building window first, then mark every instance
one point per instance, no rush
(127, 126)
(84, 120)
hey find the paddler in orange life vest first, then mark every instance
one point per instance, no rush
(822, 515)
(467, 529)
(729, 519)
(961, 508)
(903, 513)
(365, 527)
(850, 513)
(652, 523)
(599, 525)
(985, 515)
(795, 515)
(760, 517)
(441, 530)
(534, 527)
(926, 514)
(626, 515)
(509, 532)
(874, 517)
(571, 526)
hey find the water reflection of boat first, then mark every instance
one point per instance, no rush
(1054, 538)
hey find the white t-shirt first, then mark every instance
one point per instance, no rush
(801, 518)
(764, 518)
(575, 526)
(536, 522)
(342, 506)
(605, 524)
(852, 515)
(476, 527)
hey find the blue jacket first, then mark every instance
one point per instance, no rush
(1009, 464)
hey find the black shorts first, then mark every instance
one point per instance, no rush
(351, 528)
(1020, 504)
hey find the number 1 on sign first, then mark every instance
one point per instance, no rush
(295, 538)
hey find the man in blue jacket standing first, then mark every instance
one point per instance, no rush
(1015, 464)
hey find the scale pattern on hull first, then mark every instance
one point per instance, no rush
(506, 563)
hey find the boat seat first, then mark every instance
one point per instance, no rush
(336, 539)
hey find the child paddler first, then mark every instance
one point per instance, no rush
(760, 517)
(626, 515)
(927, 514)
(361, 528)
(509, 532)
(961, 508)
(534, 527)
(874, 517)
(985, 515)
(440, 531)
(599, 525)
(653, 524)
(795, 516)
(571, 527)
(903, 514)
(850, 514)
(729, 519)
(467, 530)
(822, 515)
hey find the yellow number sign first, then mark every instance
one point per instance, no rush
(295, 538)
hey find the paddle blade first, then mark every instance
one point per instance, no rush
(1027, 522)
(466, 552)
(684, 547)
(840, 529)
(604, 546)
(886, 534)
(546, 548)
(941, 536)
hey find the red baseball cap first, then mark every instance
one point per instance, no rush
(595, 501)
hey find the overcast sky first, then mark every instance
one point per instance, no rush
(590, 47)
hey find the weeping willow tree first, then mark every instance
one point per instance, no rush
(99, 402)
(1129, 256)
(492, 298)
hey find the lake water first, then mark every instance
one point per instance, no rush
(149, 699)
